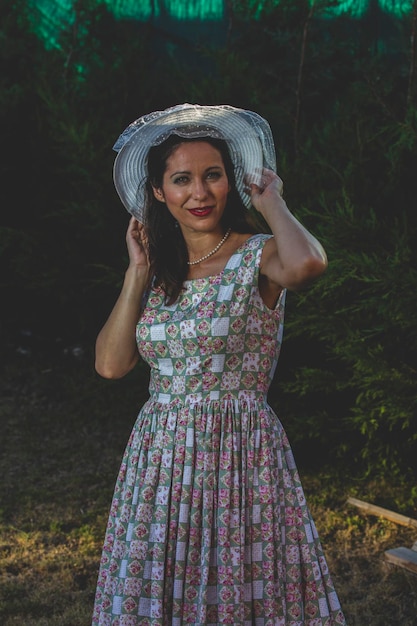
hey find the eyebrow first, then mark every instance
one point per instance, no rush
(210, 167)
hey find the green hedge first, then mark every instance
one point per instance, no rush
(341, 99)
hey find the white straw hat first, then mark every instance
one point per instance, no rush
(247, 135)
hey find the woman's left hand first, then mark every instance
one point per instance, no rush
(294, 257)
(268, 193)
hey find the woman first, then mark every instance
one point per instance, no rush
(208, 523)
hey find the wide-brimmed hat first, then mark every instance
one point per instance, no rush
(247, 135)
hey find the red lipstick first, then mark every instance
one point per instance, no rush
(205, 210)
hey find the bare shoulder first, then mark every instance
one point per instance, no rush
(290, 267)
(240, 238)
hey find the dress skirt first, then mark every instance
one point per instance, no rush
(209, 524)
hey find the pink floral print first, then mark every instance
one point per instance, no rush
(209, 523)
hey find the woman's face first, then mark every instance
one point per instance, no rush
(195, 186)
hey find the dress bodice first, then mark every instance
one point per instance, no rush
(218, 341)
(209, 523)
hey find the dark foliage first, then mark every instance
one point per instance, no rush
(341, 99)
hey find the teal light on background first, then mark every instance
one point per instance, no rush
(177, 9)
(129, 9)
(399, 8)
(51, 17)
(359, 8)
(195, 9)
(351, 8)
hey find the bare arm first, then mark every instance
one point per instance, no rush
(294, 257)
(116, 350)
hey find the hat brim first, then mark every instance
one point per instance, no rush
(247, 135)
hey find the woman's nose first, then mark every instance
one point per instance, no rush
(199, 189)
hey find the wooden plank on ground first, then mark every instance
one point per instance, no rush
(403, 557)
(372, 509)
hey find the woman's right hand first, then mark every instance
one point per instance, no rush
(116, 349)
(137, 244)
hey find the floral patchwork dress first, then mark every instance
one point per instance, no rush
(209, 524)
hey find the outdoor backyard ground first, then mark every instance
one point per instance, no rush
(63, 431)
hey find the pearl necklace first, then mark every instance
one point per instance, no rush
(206, 256)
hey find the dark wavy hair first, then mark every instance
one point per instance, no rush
(168, 252)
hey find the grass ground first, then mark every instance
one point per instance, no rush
(62, 435)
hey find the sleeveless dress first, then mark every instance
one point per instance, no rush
(209, 524)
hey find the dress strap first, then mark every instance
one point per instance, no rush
(255, 242)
